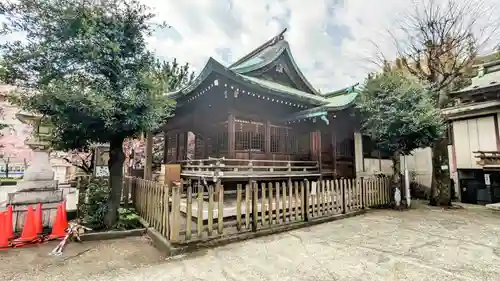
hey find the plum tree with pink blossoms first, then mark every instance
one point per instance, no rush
(13, 133)
(13, 150)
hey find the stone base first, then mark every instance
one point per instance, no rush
(35, 197)
(28, 186)
(48, 195)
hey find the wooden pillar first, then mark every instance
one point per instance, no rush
(182, 145)
(334, 151)
(320, 152)
(358, 154)
(165, 147)
(148, 165)
(177, 146)
(267, 137)
(230, 136)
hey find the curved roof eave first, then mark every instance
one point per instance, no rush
(207, 70)
(348, 89)
(214, 66)
(278, 88)
(299, 72)
(336, 103)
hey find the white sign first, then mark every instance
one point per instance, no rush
(101, 171)
(487, 179)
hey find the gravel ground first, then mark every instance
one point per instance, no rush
(424, 244)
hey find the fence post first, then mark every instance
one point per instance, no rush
(176, 216)
(306, 200)
(255, 209)
(344, 207)
(126, 191)
(362, 186)
(133, 191)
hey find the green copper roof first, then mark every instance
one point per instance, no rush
(268, 53)
(261, 58)
(336, 103)
(345, 90)
(212, 66)
(259, 49)
(285, 89)
(341, 100)
(488, 77)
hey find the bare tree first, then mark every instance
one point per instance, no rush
(438, 41)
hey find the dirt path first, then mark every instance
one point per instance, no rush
(79, 260)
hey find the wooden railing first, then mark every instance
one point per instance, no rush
(487, 157)
(243, 168)
(189, 215)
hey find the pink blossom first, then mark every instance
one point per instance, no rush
(12, 147)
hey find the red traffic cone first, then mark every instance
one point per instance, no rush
(29, 234)
(4, 240)
(8, 223)
(60, 224)
(38, 219)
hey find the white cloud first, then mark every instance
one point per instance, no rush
(330, 61)
(330, 39)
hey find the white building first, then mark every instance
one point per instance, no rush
(475, 138)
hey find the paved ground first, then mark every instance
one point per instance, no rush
(422, 244)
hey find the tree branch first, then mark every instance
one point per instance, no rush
(441, 42)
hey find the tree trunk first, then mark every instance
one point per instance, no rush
(440, 186)
(396, 173)
(115, 165)
(91, 163)
(6, 170)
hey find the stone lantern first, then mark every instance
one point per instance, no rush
(40, 168)
(38, 184)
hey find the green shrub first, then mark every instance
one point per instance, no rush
(127, 219)
(8, 182)
(97, 193)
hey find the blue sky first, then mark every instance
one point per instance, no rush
(331, 40)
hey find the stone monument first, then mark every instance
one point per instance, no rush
(38, 184)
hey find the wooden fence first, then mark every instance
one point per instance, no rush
(192, 214)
